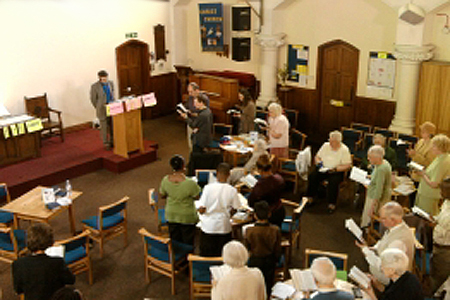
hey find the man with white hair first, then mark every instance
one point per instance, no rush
(324, 273)
(403, 284)
(332, 160)
(391, 216)
(379, 189)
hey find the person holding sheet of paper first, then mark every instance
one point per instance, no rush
(278, 131)
(422, 153)
(391, 217)
(428, 193)
(379, 189)
(402, 283)
(247, 115)
(324, 273)
(332, 160)
(193, 91)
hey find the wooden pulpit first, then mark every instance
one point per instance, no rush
(127, 128)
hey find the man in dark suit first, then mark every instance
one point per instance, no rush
(39, 276)
(102, 93)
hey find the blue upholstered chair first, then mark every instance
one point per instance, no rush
(203, 176)
(12, 243)
(76, 254)
(6, 218)
(384, 131)
(160, 213)
(164, 256)
(409, 138)
(351, 138)
(200, 275)
(110, 222)
(291, 226)
(361, 152)
(361, 127)
(297, 141)
(402, 153)
(338, 259)
(292, 116)
(287, 169)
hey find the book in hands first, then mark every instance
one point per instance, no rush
(249, 180)
(359, 277)
(415, 166)
(303, 280)
(261, 122)
(351, 226)
(360, 176)
(181, 108)
(421, 213)
(283, 291)
(233, 111)
(218, 272)
(55, 251)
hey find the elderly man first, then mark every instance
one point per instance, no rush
(389, 153)
(332, 160)
(193, 91)
(324, 273)
(391, 217)
(379, 189)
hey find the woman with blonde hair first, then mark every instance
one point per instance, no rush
(422, 153)
(278, 131)
(428, 194)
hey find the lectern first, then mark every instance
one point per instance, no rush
(127, 127)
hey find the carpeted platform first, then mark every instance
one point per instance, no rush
(82, 152)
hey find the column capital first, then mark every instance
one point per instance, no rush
(271, 40)
(414, 53)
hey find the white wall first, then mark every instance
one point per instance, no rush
(58, 47)
(438, 38)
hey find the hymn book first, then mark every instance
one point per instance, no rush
(359, 175)
(261, 122)
(218, 272)
(249, 180)
(421, 213)
(233, 111)
(303, 280)
(359, 277)
(351, 226)
(416, 166)
(181, 108)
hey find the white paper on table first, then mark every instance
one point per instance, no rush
(64, 201)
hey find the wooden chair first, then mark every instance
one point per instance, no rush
(204, 175)
(351, 138)
(200, 275)
(164, 256)
(296, 142)
(361, 127)
(384, 131)
(373, 233)
(402, 153)
(12, 244)
(288, 169)
(38, 107)
(338, 259)
(291, 226)
(110, 222)
(363, 147)
(292, 116)
(6, 218)
(76, 254)
(160, 213)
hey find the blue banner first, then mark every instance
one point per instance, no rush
(211, 26)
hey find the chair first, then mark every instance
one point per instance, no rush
(351, 138)
(110, 222)
(12, 244)
(203, 176)
(384, 131)
(38, 107)
(160, 213)
(219, 130)
(292, 116)
(409, 138)
(261, 114)
(361, 152)
(361, 127)
(373, 231)
(296, 142)
(338, 259)
(6, 218)
(76, 254)
(288, 169)
(402, 153)
(164, 256)
(291, 226)
(200, 275)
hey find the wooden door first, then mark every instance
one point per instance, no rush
(337, 80)
(133, 69)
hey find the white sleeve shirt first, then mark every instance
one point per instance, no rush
(331, 158)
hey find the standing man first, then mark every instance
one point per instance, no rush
(102, 93)
(193, 91)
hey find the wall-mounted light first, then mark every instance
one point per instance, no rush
(446, 28)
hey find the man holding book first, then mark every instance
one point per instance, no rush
(192, 111)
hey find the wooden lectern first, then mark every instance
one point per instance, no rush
(127, 128)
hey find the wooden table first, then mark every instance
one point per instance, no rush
(236, 146)
(30, 207)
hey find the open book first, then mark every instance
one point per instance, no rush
(261, 122)
(421, 213)
(359, 277)
(55, 251)
(218, 272)
(282, 291)
(233, 111)
(303, 280)
(359, 175)
(353, 228)
(249, 180)
(181, 108)
(416, 166)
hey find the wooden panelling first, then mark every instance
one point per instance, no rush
(374, 112)
(166, 89)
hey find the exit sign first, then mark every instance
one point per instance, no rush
(131, 35)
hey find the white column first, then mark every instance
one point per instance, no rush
(269, 65)
(409, 58)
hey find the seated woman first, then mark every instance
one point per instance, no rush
(180, 193)
(428, 193)
(240, 282)
(269, 188)
(403, 284)
(39, 276)
(258, 150)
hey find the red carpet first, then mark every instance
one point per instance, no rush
(82, 152)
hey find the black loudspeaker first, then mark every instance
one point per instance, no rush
(241, 49)
(241, 18)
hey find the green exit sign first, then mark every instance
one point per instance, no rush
(131, 35)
